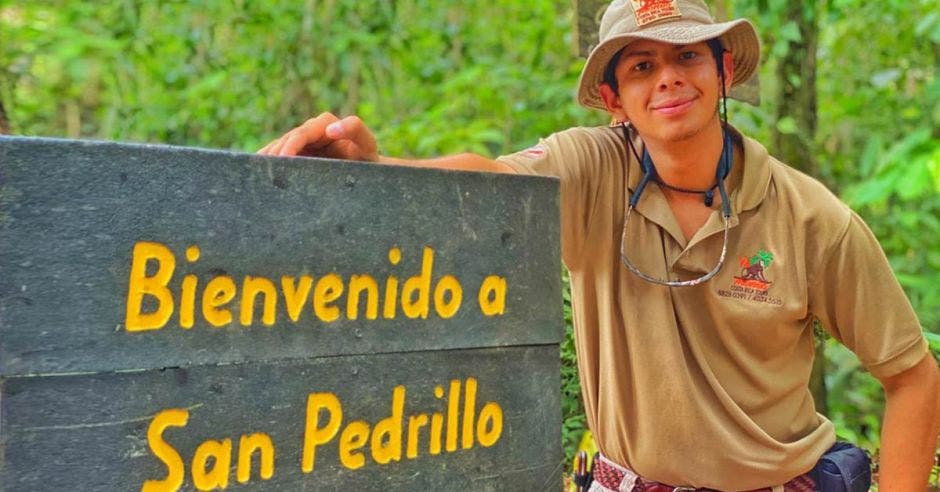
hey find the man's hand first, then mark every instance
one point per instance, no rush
(349, 138)
(327, 136)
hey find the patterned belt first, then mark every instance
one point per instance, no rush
(611, 476)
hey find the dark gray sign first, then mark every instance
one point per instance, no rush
(178, 318)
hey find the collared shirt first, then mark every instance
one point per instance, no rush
(707, 386)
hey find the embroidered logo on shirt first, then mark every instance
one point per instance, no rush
(752, 284)
(647, 11)
(535, 152)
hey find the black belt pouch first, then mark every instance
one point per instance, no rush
(844, 468)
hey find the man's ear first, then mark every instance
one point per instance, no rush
(612, 102)
(727, 60)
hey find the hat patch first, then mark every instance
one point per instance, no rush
(647, 11)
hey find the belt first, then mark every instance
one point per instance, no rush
(612, 476)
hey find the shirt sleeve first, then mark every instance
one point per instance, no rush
(859, 301)
(574, 157)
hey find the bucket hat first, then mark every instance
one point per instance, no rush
(669, 21)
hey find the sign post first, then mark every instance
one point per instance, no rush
(179, 318)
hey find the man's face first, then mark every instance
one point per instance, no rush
(668, 92)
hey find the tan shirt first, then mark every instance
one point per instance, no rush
(707, 386)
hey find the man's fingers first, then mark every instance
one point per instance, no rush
(294, 142)
(355, 130)
(327, 136)
(266, 150)
(276, 148)
(309, 135)
(342, 149)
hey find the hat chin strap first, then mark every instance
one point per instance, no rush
(722, 170)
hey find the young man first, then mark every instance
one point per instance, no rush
(694, 369)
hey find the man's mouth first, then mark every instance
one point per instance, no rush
(673, 106)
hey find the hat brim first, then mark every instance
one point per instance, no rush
(737, 36)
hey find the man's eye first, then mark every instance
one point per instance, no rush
(642, 66)
(687, 55)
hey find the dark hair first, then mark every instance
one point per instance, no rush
(610, 75)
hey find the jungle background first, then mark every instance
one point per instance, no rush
(849, 93)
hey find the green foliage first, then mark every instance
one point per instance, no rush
(486, 76)
(877, 143)
(858, 401)
(431, 78)
(880, 135)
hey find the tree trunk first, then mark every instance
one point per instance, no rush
(794, 135)
(4, 121)
(588, 13)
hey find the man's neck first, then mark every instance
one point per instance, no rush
(691, 162)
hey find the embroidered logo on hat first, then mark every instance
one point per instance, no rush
(647, 11)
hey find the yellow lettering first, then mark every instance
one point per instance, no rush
(434, 440)
(140, 285)
(447, 308)
(247, 445)
(217, 477)
(415, 423)
(492, 295)
(328, 289)
(192, 253)
(173, 417)
(315, 435)
(296, 296)
(421, 286)
(358, 284)
(188, 294)
(386, 440)
(219, 291)
(469, 409)
(251, 287)
(453, 399)
(354, 436)
(490, 424)
(389, 308)
(188, 301)
(394, 256)
(437, 424)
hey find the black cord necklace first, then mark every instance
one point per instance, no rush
(650, 173)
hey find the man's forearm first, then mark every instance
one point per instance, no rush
(909, 432)
(460, 162)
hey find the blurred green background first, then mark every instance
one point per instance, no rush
(849, 93)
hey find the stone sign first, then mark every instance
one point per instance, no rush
(177, 318)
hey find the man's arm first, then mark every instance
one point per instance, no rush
(349, 138)
(911, 425)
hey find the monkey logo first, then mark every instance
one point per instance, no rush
(753, 270)
(647, 11)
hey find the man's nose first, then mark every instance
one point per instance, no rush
(670, 76)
